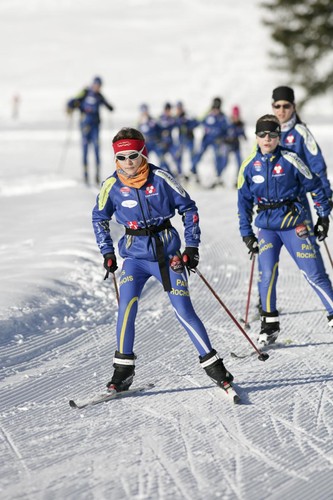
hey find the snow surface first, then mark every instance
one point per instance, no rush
(180, 440)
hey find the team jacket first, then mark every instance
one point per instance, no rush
(151, 205)
(89, 103)
(275, 182)
(297, 137)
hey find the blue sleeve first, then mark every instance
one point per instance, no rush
(101, 216)
(245, 199)
(186, 207)
(313, 157)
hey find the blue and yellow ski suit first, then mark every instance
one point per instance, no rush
(149, 210)
(275, 183)
(296, 136)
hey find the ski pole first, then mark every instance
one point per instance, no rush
(328, 253)
(115, 286)
(107, 274)
(263, 356)
(246, 324)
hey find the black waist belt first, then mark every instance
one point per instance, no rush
(268, 206)
(153, 231)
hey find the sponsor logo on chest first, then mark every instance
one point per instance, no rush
(125, 191)
(150, 190)
(290, 140)
(278, 170)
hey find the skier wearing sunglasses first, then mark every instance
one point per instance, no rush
(274, 179)
(143, 198)
(296, 136)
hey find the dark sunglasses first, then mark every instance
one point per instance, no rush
(272, 135)
(284, 106)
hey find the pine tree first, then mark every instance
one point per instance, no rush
(303, 29)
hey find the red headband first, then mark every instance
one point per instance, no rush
(130, 145)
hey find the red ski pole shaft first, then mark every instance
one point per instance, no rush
(250, 289)
(262, 356)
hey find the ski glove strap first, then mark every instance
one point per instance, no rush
(110, 264)
(321, 228)
(190, 257)
(252, 244)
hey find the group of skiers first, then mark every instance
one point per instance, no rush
(284, 166)
(170, 136)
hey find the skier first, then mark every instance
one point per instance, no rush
(274, 179)
(296, 136)
(166, 145)
(215, 131)
(149, 127)
(185, 140)
(235, 132)
(88, 102)
(143, 198)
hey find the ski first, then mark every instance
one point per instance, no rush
(108, 396)
(230, 393)
(276, 345)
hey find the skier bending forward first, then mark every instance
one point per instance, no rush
(143, 198)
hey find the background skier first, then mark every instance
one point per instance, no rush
(89, 102)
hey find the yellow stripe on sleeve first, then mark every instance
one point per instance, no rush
(104, 193)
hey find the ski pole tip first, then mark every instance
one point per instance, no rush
(263, 356)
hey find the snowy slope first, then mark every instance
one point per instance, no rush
(180, 440)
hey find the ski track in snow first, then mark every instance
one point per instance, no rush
(181, 439)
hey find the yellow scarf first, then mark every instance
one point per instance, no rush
(138, 180)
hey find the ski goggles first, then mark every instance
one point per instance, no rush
(283, 106)
(131, 156)
(272, 135)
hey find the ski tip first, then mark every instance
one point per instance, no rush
(72, 404)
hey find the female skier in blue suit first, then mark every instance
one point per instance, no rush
(296, 136)
(274, 179)
(143, 199)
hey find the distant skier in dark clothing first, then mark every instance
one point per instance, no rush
(215, 126)
(88, 101)
(185, 126)
(166, 145)
(151, 130)
(235, 132)
(143, 198)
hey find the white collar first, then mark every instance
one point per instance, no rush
(289, 124)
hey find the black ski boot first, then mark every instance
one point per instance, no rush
(270, 328)
(124, 365)
(330, 320)
(215, 369)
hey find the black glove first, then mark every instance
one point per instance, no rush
(330, 201)
(190, 257)
(321, 228)
(110, 263)
(252, 244)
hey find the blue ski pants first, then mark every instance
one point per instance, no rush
(305, 257)
(134, 275)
